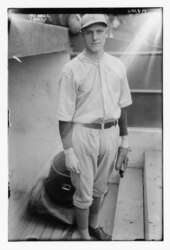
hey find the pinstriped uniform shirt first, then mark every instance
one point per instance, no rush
(92, 90)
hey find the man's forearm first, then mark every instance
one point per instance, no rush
(65, 129)
(123, 125)
(123, 122)
(71, 161)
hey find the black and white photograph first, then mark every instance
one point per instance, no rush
(85, 124)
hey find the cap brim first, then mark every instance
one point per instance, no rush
(93, 22)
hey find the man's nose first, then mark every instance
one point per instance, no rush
(94, 36)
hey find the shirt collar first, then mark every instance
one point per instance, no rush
(84, 56)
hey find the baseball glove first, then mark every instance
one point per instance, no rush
(122, 160)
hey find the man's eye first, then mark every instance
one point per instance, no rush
(100, 31)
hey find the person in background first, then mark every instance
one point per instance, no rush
(92, 100)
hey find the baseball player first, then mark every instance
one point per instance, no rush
(92, 100)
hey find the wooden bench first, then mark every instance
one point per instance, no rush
(129, 221)
(153, 195)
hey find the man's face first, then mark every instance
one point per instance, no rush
(95, 37)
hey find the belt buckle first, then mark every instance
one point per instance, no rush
(102, 126)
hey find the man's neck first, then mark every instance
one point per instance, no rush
(94, 56)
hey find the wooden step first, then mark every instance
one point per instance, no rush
(107, 211)
(108, 208)
(153, 195)
(129, 221)
(17, 212)
(24, 226)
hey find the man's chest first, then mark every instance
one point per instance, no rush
(97, 78)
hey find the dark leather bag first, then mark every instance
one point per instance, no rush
(58, 183)
(42, 205)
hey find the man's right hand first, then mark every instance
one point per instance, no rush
(71, 162)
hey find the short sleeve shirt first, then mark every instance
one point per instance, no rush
(92, 90)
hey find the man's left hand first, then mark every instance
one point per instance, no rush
(122, 158)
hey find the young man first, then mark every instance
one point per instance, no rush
(93, 90)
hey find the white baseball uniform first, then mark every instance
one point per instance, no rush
(93, 91)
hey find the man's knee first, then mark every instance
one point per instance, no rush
(83, 204)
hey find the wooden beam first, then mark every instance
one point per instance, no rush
(147, 91)
(108, 208)
(153, 195)
(128, 223)
(125, 53)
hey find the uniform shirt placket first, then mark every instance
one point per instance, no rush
(102, 90)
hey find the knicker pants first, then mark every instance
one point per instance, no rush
(96, 151)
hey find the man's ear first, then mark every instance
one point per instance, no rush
(82, 33)
(107, 31)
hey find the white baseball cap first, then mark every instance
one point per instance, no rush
(89, 19)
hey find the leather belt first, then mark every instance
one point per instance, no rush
(100, 125)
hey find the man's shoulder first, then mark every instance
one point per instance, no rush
(72, 64)
(115, 64)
